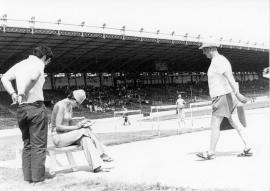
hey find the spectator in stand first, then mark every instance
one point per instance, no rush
(66, 132)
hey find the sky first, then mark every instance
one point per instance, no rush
(245, 20)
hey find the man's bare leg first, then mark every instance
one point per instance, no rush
(215, 133)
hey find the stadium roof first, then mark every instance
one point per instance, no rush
(77, 52)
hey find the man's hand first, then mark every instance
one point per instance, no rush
(241, 98)
(20, 98)
(81, 124)
(85, 123)
(14, 98)
(88, 123)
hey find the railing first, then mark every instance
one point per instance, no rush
(123, 31)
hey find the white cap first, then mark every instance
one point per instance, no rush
(209, 44)
(79, 95)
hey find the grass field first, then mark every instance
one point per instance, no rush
(13, 182)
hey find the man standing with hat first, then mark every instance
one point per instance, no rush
(225, 95)
(31, 113)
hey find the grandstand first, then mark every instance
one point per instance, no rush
(124, 67)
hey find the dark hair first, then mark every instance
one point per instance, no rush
(71, 96)
(41, 51)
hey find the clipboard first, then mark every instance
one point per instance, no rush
(225, 124)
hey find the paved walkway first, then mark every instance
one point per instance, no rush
(171, 161)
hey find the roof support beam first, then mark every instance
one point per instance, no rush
(7, 60)
(30, 46)
(71, 49)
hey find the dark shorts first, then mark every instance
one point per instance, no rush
(224, 105)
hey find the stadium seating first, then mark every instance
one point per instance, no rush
(106, 100)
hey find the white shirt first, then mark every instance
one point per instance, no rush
(218, 84)
(180, 103)
(25, 70)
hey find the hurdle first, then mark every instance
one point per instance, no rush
(202, 106)
(158, 114)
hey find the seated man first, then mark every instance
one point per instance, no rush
(65, 132)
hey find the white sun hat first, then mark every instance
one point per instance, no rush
(79, 95)
(209, 45)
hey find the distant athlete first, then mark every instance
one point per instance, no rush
(126, 120)
(180, 103)
(125, 116)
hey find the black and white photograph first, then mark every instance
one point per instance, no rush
(134, 95)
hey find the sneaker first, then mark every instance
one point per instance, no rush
(106, 158)
(205, 155)
(246, 153)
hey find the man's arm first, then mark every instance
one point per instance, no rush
(6, 79)
(230, 78)
(76, 120)
(231, 81)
